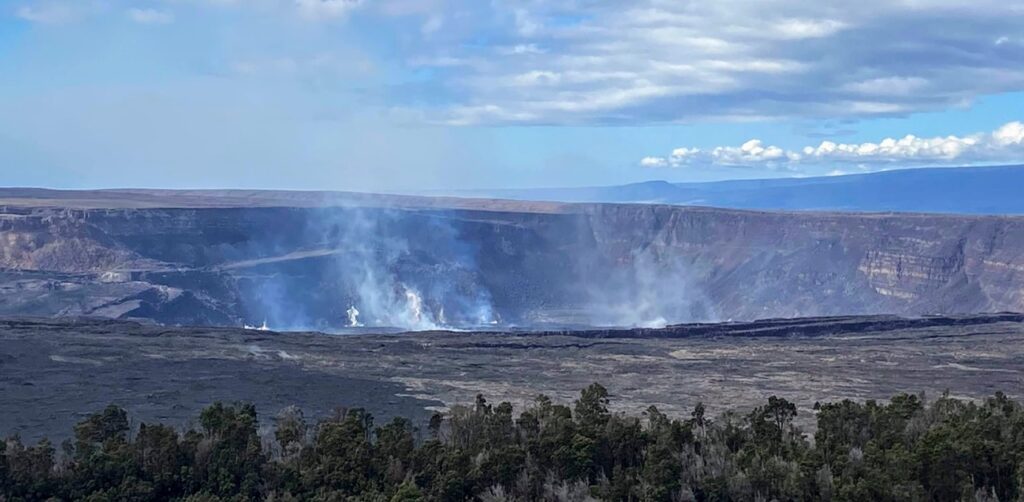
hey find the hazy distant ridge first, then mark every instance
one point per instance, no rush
(968, 190)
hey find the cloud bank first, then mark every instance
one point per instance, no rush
(653, 61)
(1005, 144)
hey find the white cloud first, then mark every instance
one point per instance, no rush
(887, 86)
(520, 49)
(525, 24)
(324, 68)
(432, 24)
(1011, 134)
(439, 62)
(796, 29)
(727, 59)
(653, 162)
(1005, 144)
(655, 61)
(46, 13)
(150, 16)
(326, 9)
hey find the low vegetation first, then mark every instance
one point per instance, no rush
(905, 449)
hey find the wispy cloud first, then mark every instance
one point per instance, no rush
(326, 9)
(651, 61)
(1005, 144)
(46, 13)
(584, 62)
(432, 24)
(150, 16)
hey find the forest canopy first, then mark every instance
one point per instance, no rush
(904, 449)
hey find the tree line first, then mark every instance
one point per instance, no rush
(904, 449)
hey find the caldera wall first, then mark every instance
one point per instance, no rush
(420, 265)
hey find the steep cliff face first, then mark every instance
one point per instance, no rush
(756, 264)
(58, 242)
(423, 267)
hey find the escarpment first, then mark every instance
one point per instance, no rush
(425, 263)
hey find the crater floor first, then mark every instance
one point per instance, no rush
(53, 372)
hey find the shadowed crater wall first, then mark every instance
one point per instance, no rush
(234, 258)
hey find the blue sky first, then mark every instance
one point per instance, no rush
(432, 94)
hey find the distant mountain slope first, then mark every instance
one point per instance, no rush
(966, 190)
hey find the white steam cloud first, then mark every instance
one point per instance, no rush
(353, 317)
(645, 279)
(352, 267)
(403, 272)
(337, 268)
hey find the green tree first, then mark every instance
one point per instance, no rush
(230, 458)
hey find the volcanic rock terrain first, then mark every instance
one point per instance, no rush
(54, 372)
(310, 260)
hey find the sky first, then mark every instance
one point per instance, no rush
(404, 95)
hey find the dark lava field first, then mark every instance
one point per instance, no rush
(53, 372)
